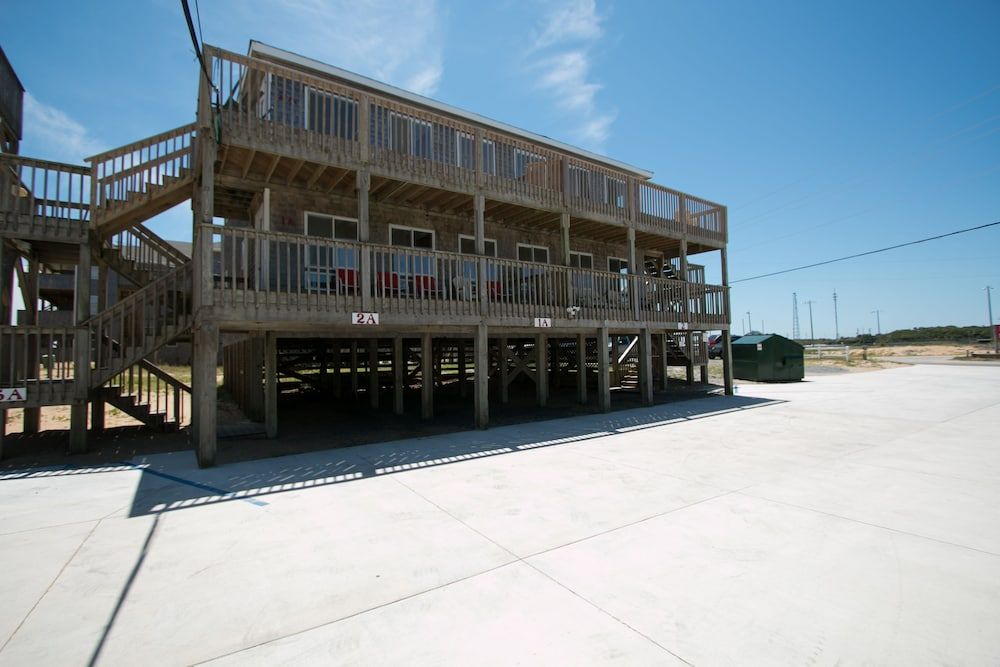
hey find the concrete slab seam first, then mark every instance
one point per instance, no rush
(867, 523)
(548, 576)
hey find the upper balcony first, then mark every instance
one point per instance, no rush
(307, 112)
(11, 106)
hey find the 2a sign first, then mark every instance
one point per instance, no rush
(13, 394)
(369, 319)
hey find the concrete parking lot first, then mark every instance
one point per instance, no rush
(849, 519)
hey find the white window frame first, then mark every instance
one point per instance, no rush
(548, 254)
(496, 246)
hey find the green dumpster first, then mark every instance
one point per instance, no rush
(768, 358)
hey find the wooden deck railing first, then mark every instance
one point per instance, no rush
(266, 270)
(42, 199)
(277, 108)
(38, 359)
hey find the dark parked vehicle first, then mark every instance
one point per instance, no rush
(715, 347)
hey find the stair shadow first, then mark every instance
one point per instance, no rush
(171, 481)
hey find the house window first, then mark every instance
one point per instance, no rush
(532, 253)
(617, 265)
(581, 260)
(409, 272)
(411, 237)
(327, 263)
(467, 245)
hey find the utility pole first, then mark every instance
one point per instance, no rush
(836, 320)
(878, 320)
(812, 332)
(993, 329)
(796, 334)
(749, 323)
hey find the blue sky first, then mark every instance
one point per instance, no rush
(827, 128)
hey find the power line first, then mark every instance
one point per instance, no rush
(194, 42)
(869, 252)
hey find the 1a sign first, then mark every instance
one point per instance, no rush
(543, 322)
(13, 394)
(367, 319)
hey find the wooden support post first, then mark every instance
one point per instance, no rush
(689, 353)
(541, 370)
(479, 211)
(338, 382)
(373, 382)
(581, 369)
(564, 223)
(203, 392)
(704, 373)
(426, 376)
(502, 354)
(461, 368)
(364, 236)
(32, 418)
(603, 370)
(615, 354)
(646, 367)
(482, 378)
(271, 384)
(727, 342)
(97, 413)
(81, 354)
(354, 368)
(664, 361)
(398, 374)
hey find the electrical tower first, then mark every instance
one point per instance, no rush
(795, 317)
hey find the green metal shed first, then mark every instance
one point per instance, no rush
(768, 358)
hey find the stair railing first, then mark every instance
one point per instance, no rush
(149, 385)
(122, 176)
(140, 324)
(140, 254)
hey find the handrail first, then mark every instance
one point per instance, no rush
(138, 252)
(39, 354)
(44, 197)
(140, 323)
(278, 270)
(322, 118)
(141, 143)
(127, 176)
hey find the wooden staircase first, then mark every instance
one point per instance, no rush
(133, 183)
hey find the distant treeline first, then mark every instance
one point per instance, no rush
(950, 334)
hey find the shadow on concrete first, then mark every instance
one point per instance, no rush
(171, 482)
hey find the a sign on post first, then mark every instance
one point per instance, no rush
(13, 394)
(543, 322)
(370, 319)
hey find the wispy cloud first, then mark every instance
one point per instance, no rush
(562, 55)
(397, 41)
(53, 134)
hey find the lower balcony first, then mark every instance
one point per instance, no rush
(267, 277)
